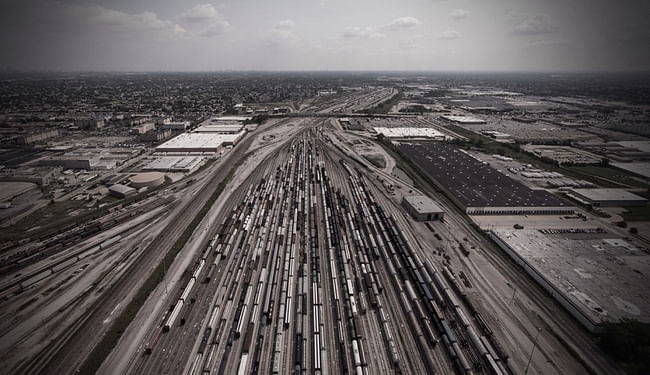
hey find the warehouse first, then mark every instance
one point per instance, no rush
(147, 179)
(186, 164)
(178, 125)
(478, 188)
(220, 128)
(200, 142)
(121, 191)
(595, 280)
(563, 154)
(422, 208)
(223, 125)
(412, 133)
(608, 197)
(460, 119)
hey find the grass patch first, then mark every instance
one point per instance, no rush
(112, 336)
(376, 160)
(108, 199)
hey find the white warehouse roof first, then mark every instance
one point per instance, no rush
(410, 132)
(463, 119)
(423, 204)
(199, 142)
(219, 128)
(596, 195)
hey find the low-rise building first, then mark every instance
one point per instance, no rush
(32, 138)
(121, 191)
(608, 197)
(176, 125)
(200, 142)
(186, 164)
(92, 123)
(155, 135)
(147, 179)
(461, 119)
(142, 128)
(422, 208)
(595, 279)
(412, 132)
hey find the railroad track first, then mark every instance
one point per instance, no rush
(299, 291)
(76, 346)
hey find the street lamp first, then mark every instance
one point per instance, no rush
(539, 330)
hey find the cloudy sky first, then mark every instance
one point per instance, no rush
(439, 35)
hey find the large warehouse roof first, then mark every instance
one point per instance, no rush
(463, 119)
(219, 128)
(472, 182)
(199, 142)
(606, 279)
(599, 195)
(175, 163)
(228, 124)
(410, 132)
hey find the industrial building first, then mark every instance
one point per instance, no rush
(478, 188)
(121, 191)
(91, 123)
(223, 125)
(460, 119)
(422, 208)
(641, 169)
(607, 197)
(623, 152)
(147, 179)
(412, 133)
(155, 135)
(91, 158)
(563, 154)
(143, 128)
(11, 190)
(200, 142)
(185, 164)
(177, 125)
(38, 175)
(499, 136)
(28, 139)
(595, 280)
(79, 162)
(220, 128)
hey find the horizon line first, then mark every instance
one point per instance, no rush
(429, 71)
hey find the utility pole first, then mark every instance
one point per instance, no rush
(539, 330)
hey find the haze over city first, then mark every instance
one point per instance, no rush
(324, 187)
(463, 35)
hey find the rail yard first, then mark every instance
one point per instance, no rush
(292, 253)
(310, 272)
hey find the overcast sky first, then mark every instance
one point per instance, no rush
(462, 35)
